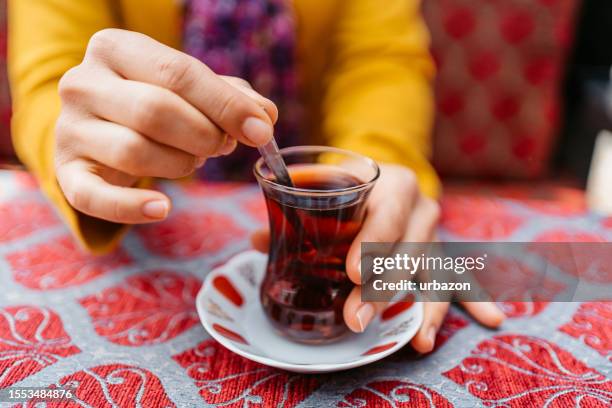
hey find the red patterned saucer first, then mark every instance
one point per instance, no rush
(229, 308)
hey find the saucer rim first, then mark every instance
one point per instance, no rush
(294, 367)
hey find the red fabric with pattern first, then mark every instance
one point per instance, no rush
(60, 263)
(189, 234)
(567, 208)
(563, 235)
(256, 207)
(227, 379)
(522, 309)
(500, 67)
(585, 255)
(521, 280)
(31, 338)
(591, 325)
(22, 217)
(26, 180)
(478, 218)
(112, 386)
(522, 371)
(154, 310)
(394, 394)
(453, 322)
(146, 309)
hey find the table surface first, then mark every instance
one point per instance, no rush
(123, 328)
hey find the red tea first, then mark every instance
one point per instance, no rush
(311, 229)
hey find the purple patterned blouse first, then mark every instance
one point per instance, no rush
(253, 40)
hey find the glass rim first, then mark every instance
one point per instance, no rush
(305, 149)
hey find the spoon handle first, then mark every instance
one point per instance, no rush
(275, 163)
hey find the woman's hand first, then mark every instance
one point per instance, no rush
(398, 212)
(136, 108)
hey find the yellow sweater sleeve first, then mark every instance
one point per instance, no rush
(46, 38)
(378, 97)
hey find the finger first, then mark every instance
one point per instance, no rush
(487, 313)
(357, 314)
(260, 240)
(423, 221)
(156, 113)
(385, 223)
(123, 149)
(90, 194)
(158, 64)
(245, 86)
(386, 220)
(433, 316)
(229, 146)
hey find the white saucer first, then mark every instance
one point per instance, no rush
(229, 308)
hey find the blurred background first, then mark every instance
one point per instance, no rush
(522, 87)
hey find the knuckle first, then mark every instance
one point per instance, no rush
(131, 146)
(62, 128)
(409, 177)
(175, 72)
(103, 42)
(408, 182)
(210, 147)
(129, 156)
(70, 85)
(232, 106)
(148, 111)
(237, 81)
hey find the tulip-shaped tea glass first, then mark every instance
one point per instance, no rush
(312, 226)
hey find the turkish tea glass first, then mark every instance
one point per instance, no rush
(312, 226)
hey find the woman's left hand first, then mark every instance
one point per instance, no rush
(397, 211)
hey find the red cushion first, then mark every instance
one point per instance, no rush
(500, 66)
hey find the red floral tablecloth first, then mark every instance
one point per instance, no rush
(122, 329)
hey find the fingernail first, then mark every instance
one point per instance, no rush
(431, 336)
(228, 147)
(156, 209)
(200, 162)
(365, 314)
(500, 318)
(257, 131)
